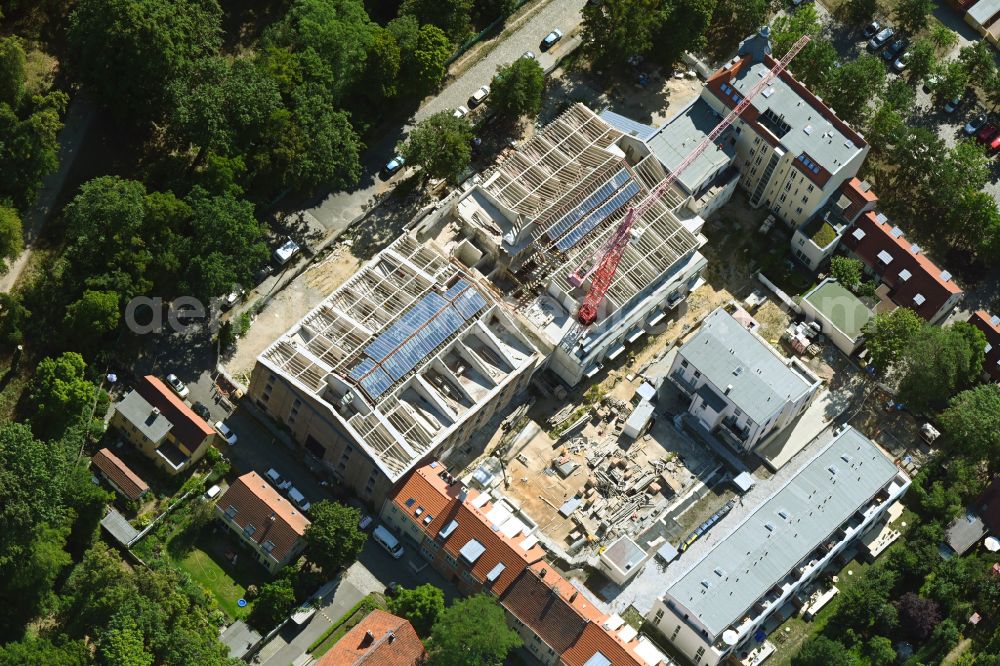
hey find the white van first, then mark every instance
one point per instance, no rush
(387, 540)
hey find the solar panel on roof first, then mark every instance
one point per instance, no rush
(566, 222)
(598, 216)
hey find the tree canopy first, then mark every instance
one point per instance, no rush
(939, 362)
(517, 89)
(471, 632)
(439, 145)
(333, 539)
(972, 423)
(421, 606)
(888, 334)
(61, 394)
(11, 235)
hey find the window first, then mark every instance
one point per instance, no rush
(684, 363)
(799, 210)
(231, 512)
(805, 199)
(697, 374)
(658, 616)
(788, 186)
(811, 187)
(249, 530)
(782, 198)
(267, 546)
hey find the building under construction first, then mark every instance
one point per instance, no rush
(402, 362)
(543, 216)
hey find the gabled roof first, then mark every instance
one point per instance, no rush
(860, 194)
(536, 602)
(131, 485)
(990, 326)
(381, 639)
(925, 289)
(264, 515)
(188, 428)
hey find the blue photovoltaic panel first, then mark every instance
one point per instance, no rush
(420, 330)
(598, 216)
(566, 222)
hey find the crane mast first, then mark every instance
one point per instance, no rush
(603, 265)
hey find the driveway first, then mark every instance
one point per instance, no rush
(338, 210)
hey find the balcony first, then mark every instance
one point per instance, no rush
(729, 429)
(686, 385)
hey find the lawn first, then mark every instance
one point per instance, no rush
(207, 563)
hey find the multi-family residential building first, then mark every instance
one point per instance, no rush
(406, 360)
(908, 276)
(381, 639)
(718, 604)
(485, 544)
(816, 240)
(989, 324)
(162, 426)
(264, 520)
(740, 387)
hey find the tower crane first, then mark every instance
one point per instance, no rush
(604, 263)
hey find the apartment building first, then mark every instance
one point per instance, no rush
(161, 425)
(741, 388)
(484, 544)
(264, 520)
(715, 607)
(404, 361)
(989, 324)
(816, 240)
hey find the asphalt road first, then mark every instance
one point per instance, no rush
(336, 212)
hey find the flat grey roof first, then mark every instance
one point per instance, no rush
(681, 134)
(625, 553)
(753, 557)
(983, 10)
(809, 132)
(626, 125)
(964, 532)
(728, 354)
(138, 412)
(840, 306)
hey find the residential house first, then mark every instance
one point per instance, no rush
(989, 324)
(381, 639)
(909, 278)
(740, 387)
(118, 475)
(719, 604)
(981, 517)
(840, 313)
(162, 426)
(264, 520)
(816, 240)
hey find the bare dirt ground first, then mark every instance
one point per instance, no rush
(291, 304)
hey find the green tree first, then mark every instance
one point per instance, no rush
(953, 79)
(439, 145)
(517, 89)
(821, 651)
(12, 71)
(13, 318)
(683, 29)
(814, 64)
(880, 652)
(273, 604)
(471, 632)
(789, 28)
(922, 60)
(846, 271)
(423, 49)
(861, 11)
(421, 606)
(333, 539)
(973, 222)
(486, 11)
(123, 647)
(938, 363)
(452, 16)
(734, 19)
(93, 316)
(942, 37)
(977, 58)
(901, 95)
(60, 394)
(888, 334)
(29, 145)
(864, 605)
(972, 423)
(614, 30)
(886, 128)
(913, 15)
(33, 651)
(129, 51)
(853, 85)
(11, 235)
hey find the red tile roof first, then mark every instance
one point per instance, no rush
(381, 639)
(925, 278)
(594, 639)
(538, 603)
(984, 321)
(433, 497)
(256, 502)
(119, 473)
(861, 199)
(188, 428)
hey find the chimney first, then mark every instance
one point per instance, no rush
(391, 636)
(541, 574)
(572, 597)
(152, 415)
(368, 639)
(729, 388)
(463, 494)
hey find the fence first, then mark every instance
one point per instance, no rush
(469, 43)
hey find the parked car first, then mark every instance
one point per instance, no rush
(895, 48)
(930, 83)
(285, 253)
(994, 146)
(901, 62)
(231, 299)
(178, 386)
(871, 29)
(799, 3)
(392, 167)
(279, 482)
(460, 112)
(212, 492)
(201, 410)
(262, 274)
(226, 433)
(365, 522)
(298, 499)
(986, 132)
(975, 124)
(479, 96)
(528, 55)
(881, 39)
(952, 104)
(551, 39)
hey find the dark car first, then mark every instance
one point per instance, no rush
(987, 132)
(201, 410)
(871, 29)
(881, 39)
(551, 39)
(975, 124)
(894, 49)
(392, 167)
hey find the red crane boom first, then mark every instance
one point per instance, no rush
(605, 262)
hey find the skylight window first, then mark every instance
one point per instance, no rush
(885, 257)
(858, 234)
(905, 275)
(919, 299)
